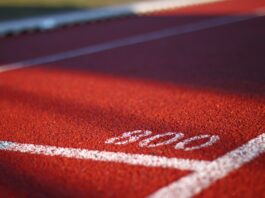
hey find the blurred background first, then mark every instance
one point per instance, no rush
(17, 9)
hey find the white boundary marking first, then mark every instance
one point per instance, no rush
(194, 183)
(152, 36)
(133, 159)
(57, 20)
(205, 172)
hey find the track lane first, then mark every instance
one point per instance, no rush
(83, 101)
(80, 36)
(47, 43)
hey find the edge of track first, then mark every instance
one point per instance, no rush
(49, 22)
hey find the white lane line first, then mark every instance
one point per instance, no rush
(152, 36)
(199, 180)
(205, 172)
(57, 20)
(118, 157)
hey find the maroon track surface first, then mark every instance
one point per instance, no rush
(206, 82)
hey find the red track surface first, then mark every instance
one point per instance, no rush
(205, 82)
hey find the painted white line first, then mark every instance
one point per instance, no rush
(194, 183)
(118, 157)
(57, 20)
(205, 172)
(152, 36)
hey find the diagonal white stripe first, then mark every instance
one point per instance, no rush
(152, 36)
(57, 20)
(194, 183)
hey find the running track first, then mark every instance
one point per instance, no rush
(66, 94)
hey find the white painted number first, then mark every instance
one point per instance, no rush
(147, 142)
(128, 137)
(156, 140)
(211, 141)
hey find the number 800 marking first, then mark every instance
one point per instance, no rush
(174, 137)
